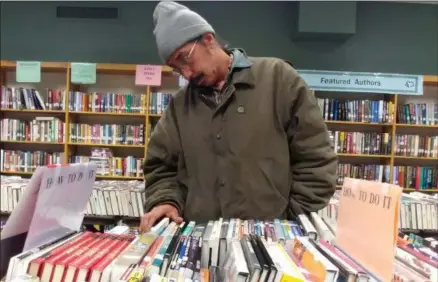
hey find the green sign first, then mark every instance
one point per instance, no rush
(28, 71)
(83, 73)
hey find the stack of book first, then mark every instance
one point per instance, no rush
(418, 211)
(377, 111)
(106, 102)
(219, 250)
(420, 114)
(40, 129)
(19, 98)
(108, 197)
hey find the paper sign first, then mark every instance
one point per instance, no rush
(51, 207)
(367, 226)
(148, 75)
(402, 84)
(181, 81)
(63, 195)
(83, 73)
(28, 71)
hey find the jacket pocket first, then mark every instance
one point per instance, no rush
(263, 191)
(276, 172)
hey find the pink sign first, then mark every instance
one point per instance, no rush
(364, 207)
(148, 75)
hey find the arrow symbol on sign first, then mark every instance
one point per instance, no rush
(409, 84)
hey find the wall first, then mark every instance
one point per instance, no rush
(391, 37)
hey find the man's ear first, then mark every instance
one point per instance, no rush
(208, 39)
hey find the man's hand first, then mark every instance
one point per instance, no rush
(157, 212)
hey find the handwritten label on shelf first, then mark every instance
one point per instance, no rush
(402, 84)
(83, 73)
(148, 75)
(28, 71)
(364, 207)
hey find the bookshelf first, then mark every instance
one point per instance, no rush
(120, 79)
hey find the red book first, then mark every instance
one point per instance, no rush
(73, 266)
(36, 266)
(84, 271)
(61, 266)
(49, 265)
(98, 268)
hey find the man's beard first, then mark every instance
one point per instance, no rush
(197, 79)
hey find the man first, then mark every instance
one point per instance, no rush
(244, 139)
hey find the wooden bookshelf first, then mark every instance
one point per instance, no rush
(146, 118)
(62, 72)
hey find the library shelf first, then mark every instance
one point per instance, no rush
(420, 190)
(339, 187)
(32, 142)
(357, 123)
(21, 173)
(417, 158)
(417, 125)
(155, 115)
(119, 177)
(363, 156)
(45, 66)
(430, 80)
(142, 115)
(96, 219)
(392, 128)
(36, 112)
(105, 145)
(107, 177)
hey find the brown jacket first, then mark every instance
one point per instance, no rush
(263, 153)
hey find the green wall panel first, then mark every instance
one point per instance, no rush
(390, 37)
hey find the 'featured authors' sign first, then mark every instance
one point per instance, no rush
(402, 84)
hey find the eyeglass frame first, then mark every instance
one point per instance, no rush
(184, 59)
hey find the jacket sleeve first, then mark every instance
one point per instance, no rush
(160, 166)
(312, 158)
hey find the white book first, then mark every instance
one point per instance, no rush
(323, 231)
(331, 269)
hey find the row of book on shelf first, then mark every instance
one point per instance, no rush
(219, 250)
(19, 98)
(106, 102)
(107, 134)
(40, 129)
(311, 247)
(378, 111)
(127, 199)
(418, 178)
(366, 111)
(52, 129)
(27, 161)
(373, 143)
(418, 211)
(108, 197)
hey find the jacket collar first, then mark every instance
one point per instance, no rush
(240, 72)
(241, 68)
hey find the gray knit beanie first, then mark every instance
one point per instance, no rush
(175, 25)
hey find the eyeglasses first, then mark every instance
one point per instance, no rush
(183, 61)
